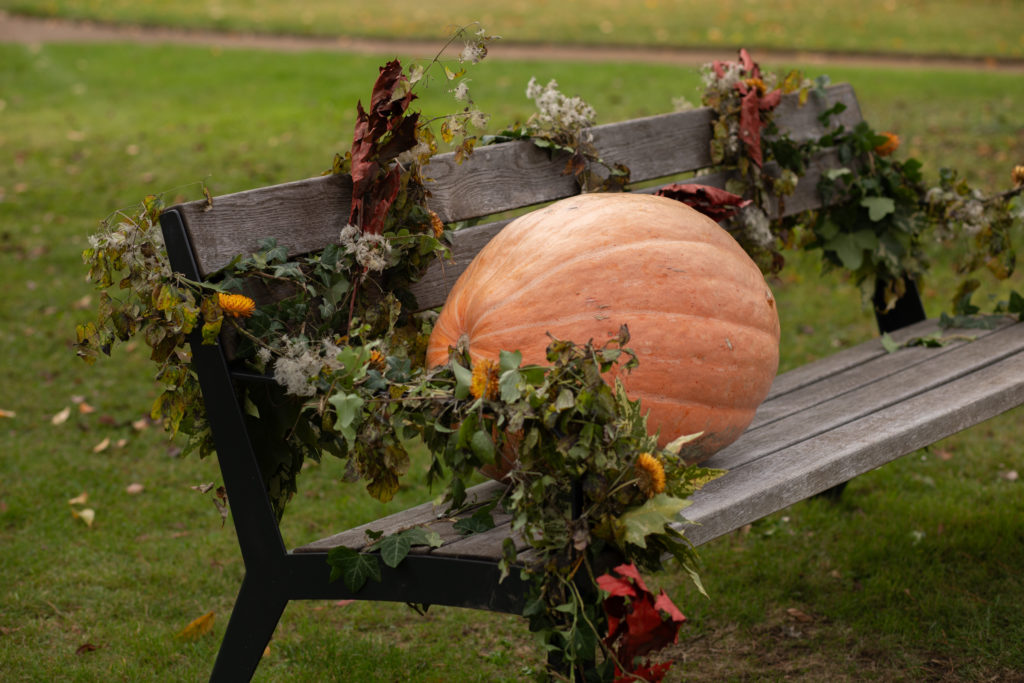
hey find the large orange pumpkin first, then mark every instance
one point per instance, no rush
(702, 319)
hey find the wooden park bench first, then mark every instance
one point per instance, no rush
(822, 424)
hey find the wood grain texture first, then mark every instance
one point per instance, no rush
(308, 214)
(766, 485)
(423, 514)
(867, 389)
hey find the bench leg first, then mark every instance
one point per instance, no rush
(833, 494)
(253, 620)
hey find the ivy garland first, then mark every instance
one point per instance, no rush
(347, 348)
(879, 215)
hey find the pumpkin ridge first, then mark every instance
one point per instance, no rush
(617, 313)
(549, 273)
(703, 319)
(654, 397)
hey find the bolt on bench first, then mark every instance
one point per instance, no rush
(821, 425)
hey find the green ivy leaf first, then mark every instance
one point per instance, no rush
(463, 380)
(347, 406)
(417, 535)
(878, 207)
(394, 548)
(509, 360)
(480, 521)
(508, 385)
(850, 247)
(353, 567)
(482, 445)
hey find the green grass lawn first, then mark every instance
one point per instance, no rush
(914, 575)
(989, 28)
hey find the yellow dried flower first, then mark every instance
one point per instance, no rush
(757, 84)
(1018, 175)
(650, 474)
(377, 360)
(436, 225)
(891, 144)
(236, 305)
(485, 380)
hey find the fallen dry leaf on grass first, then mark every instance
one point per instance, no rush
(7, 413)
(1010, 476)
(134, 489)
(799, 615)
(87, 515)
(87, 647)
(80, 499)
(61, 417)
(101, 446)
(198, 627)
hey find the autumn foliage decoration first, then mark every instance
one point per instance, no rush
(639, 623)
(755, 100)
(380, 135)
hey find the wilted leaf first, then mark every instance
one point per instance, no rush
(713, 202)
(80, 499)
(677, 444)
(84, 408)
(799, 615)
(101, 446)
(7, 413)
(890, 344)
(650, 518)
(134, 489)
(197, 628)
(87, 647)
(61, 417)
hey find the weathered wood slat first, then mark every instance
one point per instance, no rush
(425, 513)
(879, 368)
(823, 368)
(766, 485)
(308, 214)
(432, 289)
(486, 544)
(829, 413)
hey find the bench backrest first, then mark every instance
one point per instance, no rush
(307, 215)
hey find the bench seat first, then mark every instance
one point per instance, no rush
(821, 425)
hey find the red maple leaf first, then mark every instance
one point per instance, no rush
(638, 624)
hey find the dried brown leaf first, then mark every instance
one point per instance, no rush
(61, 417)
(799, 615)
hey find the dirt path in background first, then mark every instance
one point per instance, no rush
(28, 30)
